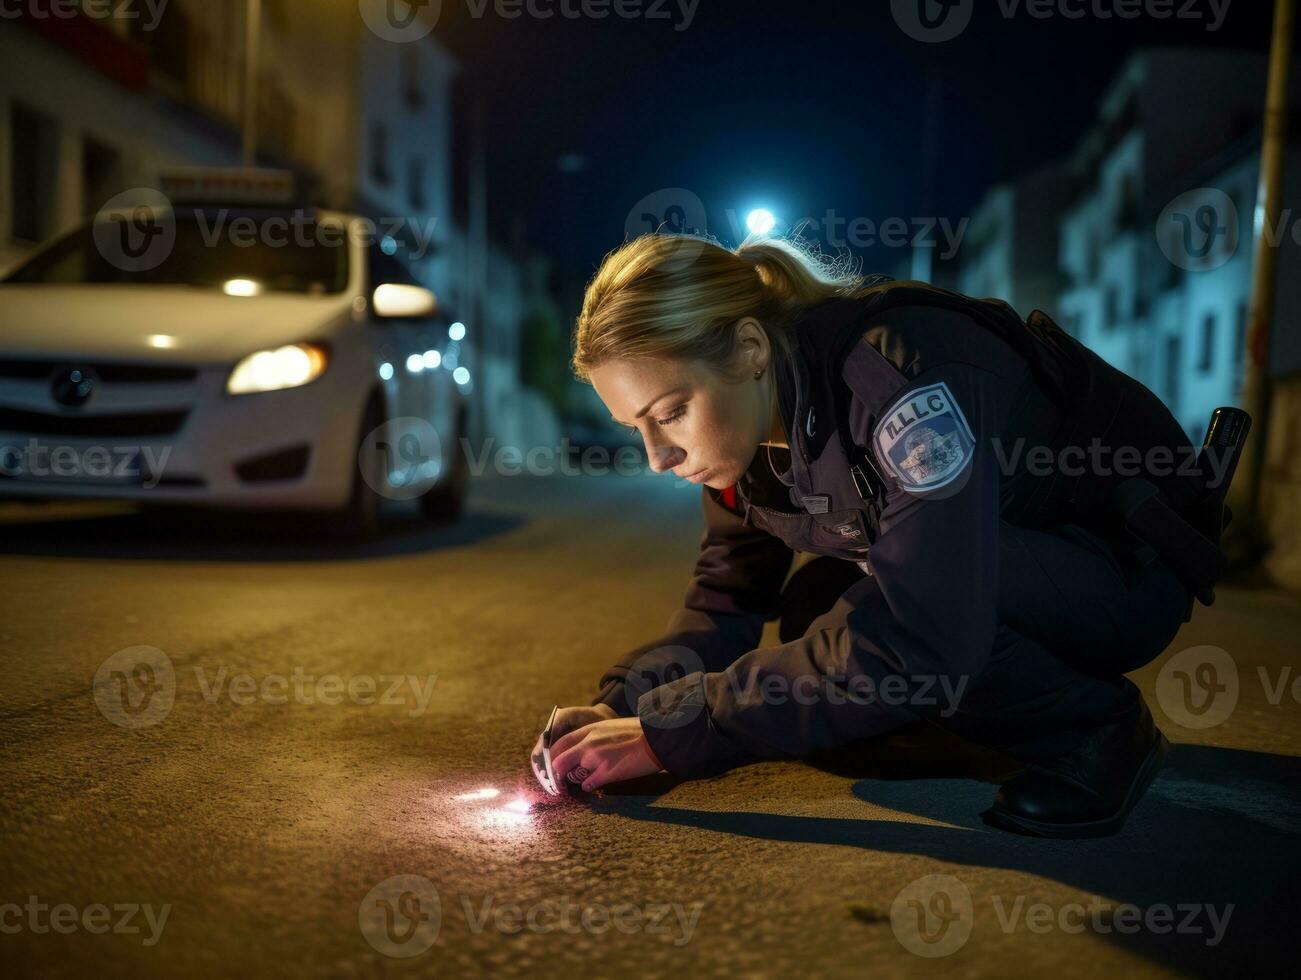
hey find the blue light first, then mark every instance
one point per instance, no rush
(760, 221)
(456, 331)
(386, 370)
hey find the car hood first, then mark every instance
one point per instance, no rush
(130, 322)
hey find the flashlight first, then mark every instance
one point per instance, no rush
(547, 776)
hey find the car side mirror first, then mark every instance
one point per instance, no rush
(393, 299)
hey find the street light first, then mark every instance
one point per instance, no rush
(760, 221)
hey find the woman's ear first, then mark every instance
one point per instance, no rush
(752, 343)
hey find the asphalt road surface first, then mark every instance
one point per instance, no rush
(319, 768)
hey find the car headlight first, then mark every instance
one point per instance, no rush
(283, 367)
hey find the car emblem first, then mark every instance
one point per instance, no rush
(73, 387)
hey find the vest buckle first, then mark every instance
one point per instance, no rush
(861, 483)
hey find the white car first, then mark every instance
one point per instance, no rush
(144, 357)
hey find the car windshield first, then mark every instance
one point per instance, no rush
(240, 252)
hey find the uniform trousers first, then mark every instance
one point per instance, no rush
(1075, 613)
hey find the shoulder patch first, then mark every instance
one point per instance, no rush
(924, 439)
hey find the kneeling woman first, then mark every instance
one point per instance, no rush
(942, 457)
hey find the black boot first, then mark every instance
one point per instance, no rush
(1089, 791)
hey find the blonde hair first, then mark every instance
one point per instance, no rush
(679, 297)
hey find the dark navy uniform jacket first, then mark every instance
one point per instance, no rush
(938, 399)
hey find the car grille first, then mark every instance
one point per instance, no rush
(139, 424)
(37, 370)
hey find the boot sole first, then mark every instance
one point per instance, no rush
(1004, 820)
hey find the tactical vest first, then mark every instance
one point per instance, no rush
(839, 484)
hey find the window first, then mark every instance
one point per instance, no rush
(1206, 355)
(1174, 276)
(1111, 315)
(101, 174)
(1244, 201)
(1172, 357)
(1127, 218)
(462, 150)
(412, 92)
(1240, 335)
(1240, 345)
(1140, 363)
(379, 169)
(32, 189)
(416, 182)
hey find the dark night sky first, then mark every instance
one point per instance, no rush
(798, 106)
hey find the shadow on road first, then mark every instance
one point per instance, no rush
(1218, 827)
(195, 535)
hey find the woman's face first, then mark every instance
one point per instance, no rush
(694, 422)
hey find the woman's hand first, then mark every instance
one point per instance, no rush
(567, 720)
(610, 751)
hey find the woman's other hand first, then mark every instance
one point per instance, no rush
(611, 751)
